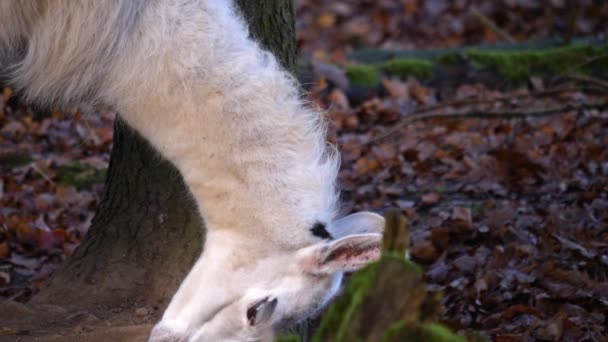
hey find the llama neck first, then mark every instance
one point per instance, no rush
(232, 121)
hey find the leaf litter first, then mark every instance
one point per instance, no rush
(508, 216)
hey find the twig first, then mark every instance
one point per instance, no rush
(16, 295)
(503, 98)
(457, 103)
(42, 173)
(488, 23)
(476, 113)
(396, 237)
(588, 79)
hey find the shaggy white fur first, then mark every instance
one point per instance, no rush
(187, 77)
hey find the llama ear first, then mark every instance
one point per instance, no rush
(358, 223)
(347, 254)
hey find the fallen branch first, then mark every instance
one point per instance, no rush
(588, 79)
(502, 98)
(477, 113)
(42, 173)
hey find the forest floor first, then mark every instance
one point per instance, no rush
(505, 188)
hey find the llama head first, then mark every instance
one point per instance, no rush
(278, 289)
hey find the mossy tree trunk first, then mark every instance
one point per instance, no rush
(147, 231)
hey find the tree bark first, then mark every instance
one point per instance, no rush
(272, 23)
(147, 232)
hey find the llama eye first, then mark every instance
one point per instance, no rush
(261, 310)
(319, 230)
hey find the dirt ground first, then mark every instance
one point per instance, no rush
(41, 322)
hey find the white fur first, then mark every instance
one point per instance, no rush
(187, 77)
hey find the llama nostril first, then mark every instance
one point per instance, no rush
(253, 310)
(261, 310)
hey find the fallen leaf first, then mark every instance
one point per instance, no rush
(462, 217)
(424, 251)
(430, 198)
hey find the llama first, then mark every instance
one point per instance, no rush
(252, 154)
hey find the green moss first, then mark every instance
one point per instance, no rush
(81, 176)
(441, 189)
(519, 65)
(362, 75)
(476, 209)
(13, 160)
(368, 75)
(337, 318)
(403, 67)
(448, 58)
(394, 332)
(434, 332)
(513, 63)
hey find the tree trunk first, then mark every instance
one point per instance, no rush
(147, 232)
(145, 236)
(272, 23)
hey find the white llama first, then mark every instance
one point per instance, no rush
(187, 77)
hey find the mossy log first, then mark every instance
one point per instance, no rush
(504, 65)
(371, 56)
